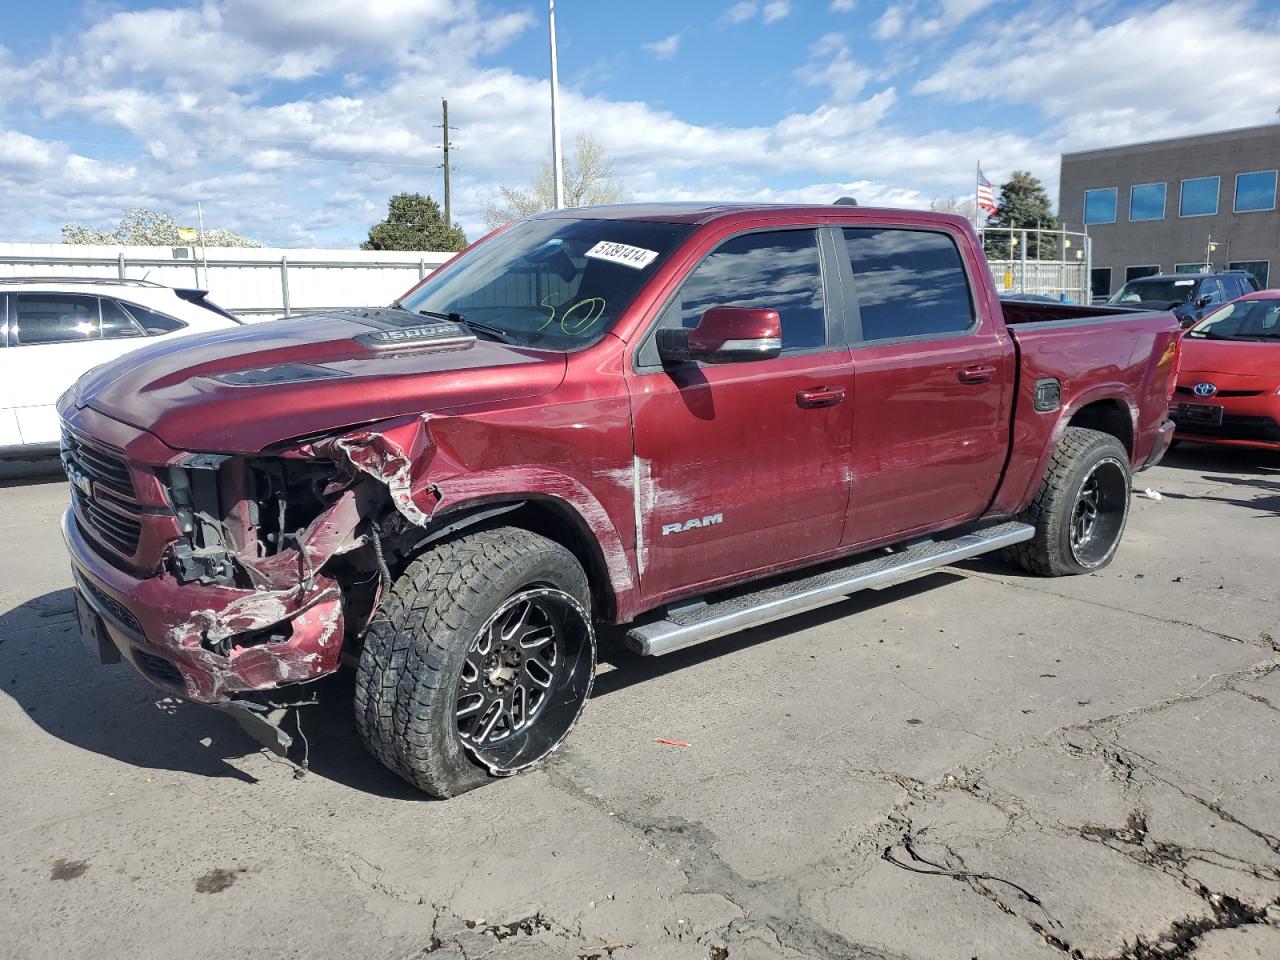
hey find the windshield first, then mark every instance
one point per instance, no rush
(1242, 320)
(557, 284)
(1162, 290)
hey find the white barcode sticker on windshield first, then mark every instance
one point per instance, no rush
(628, 256)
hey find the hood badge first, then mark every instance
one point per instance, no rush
(444, 334)
(1204, 389)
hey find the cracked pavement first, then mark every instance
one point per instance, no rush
(979, 764)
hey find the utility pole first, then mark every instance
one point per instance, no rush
(448, 219)
(557, 161)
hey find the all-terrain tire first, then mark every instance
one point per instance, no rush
(416, 650)
(1053, 551)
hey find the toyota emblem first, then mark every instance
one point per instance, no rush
(1204, 389)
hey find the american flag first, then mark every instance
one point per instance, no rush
(986, 199)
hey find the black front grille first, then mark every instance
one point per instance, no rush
(97, 463)
(159, 669)
(1234, 428)
(116, 530)
(110, 604)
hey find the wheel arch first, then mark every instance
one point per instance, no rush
(546, 515)
(1107, 415)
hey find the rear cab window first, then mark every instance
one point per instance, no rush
(909, 283)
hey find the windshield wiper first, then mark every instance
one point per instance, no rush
(495, 332)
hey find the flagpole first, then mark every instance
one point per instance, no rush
(977, 175)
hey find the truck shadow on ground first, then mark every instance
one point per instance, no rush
(110, 711)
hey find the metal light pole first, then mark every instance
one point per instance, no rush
(204, 257)
(557, 161)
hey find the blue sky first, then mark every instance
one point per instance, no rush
(294, 122)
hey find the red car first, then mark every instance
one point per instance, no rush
(1229, 386)
(638, 415)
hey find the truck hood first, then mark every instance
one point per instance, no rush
(1248, 358)
(243, 389)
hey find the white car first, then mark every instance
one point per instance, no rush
(53, 330)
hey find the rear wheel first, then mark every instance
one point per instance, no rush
(1081, 507)
(479, 662)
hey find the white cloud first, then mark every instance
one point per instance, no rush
(174, 103)
(831, 65)
(1178, 69)
(665, 48)
(769, 12)
(891, 22)
(843, 6)
(775, 10)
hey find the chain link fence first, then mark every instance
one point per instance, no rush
(1047, 263)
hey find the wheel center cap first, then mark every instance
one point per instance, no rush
(501, 669)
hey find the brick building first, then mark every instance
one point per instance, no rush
(1176, 205)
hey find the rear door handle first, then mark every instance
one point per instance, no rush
(820, 397)
(980, 374)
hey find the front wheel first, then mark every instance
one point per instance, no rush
(479, 662)
(1081, 507)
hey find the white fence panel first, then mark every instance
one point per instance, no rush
(258, 281)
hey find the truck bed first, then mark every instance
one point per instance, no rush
(1033, 311)
(1126, 370)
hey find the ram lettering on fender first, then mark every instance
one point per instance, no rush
(693, 524)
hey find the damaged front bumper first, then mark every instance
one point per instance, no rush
(165, 629)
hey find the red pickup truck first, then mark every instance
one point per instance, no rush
(684, 418)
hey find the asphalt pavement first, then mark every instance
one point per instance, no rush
(979, 764)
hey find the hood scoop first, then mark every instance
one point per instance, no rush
(396, 329)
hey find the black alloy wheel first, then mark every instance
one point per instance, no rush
(1099, 512)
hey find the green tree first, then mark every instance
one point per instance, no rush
(588, 180)
(148, 228)
(1023, 206)
(414, 222)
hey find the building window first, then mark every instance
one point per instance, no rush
(1143, 270)
(1199, 197)
(1100, 282)
(1100, 206)
(1146, 201)
(1261, 270)
(1188, 267)
(1255, 191)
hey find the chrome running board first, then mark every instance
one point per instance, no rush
(696, 621)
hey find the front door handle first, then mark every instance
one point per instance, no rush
(819, 397)
(980, 374)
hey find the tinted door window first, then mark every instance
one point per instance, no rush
(1213, 290)
(55, 319)
(116, 324)
(910, 283)
(775, 271)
